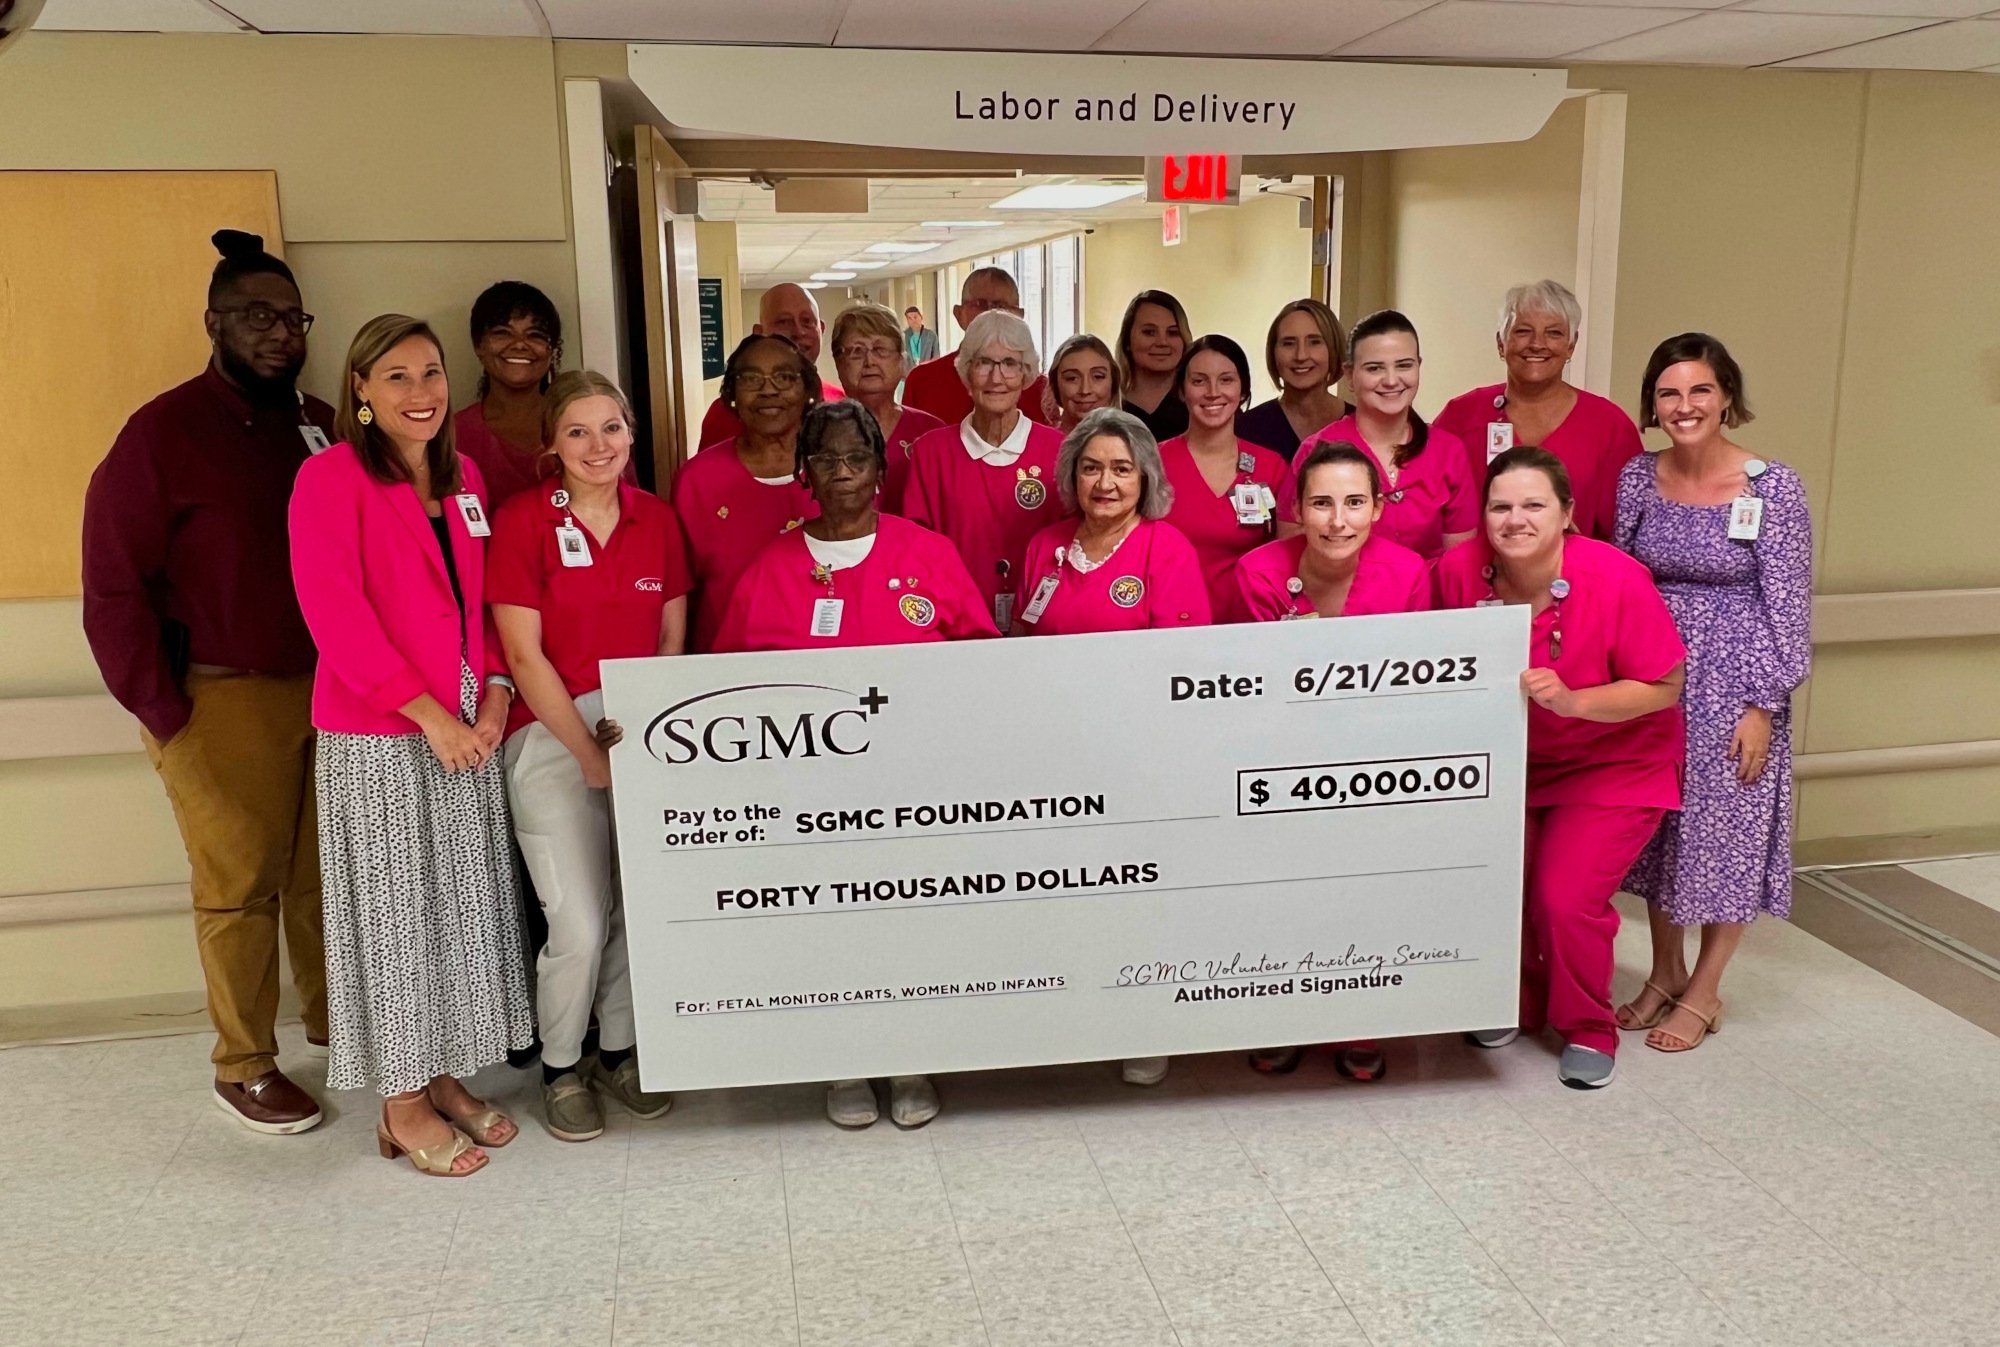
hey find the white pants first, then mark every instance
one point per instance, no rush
(564, 828)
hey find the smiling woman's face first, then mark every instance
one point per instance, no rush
(517, 353)
(407, 390)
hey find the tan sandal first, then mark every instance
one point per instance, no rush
(483, 1127)
(437, 1161)
(1659, 1039)
(1631, 1023)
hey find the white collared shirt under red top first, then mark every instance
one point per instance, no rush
(988, 499)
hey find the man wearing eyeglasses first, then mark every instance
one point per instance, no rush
(787, 311)
(935, 387)
(189, 610)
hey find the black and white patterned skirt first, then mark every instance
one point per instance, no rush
(426, 971)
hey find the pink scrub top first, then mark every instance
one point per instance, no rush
(1388, 578)
(1594, 442)
(1614, 626)
(911, 426)
(1153, 579)
(910, 587)
(1209, 521)
(729, 517)
(508, 471)
(1433, 496)
(987, 512)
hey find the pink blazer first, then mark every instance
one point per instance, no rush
(373, 588)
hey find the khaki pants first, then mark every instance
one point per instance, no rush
(240, 779)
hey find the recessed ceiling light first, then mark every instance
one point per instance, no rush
(902, 248)
(861, 264)
(833, 275)
(813, 285)
(962, 224)
(1069, 196)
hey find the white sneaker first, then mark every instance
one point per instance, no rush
(1145, 1070)
(913, 1100)
(851, 1103)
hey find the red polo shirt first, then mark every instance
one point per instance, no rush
(935, 387)
(609, 609)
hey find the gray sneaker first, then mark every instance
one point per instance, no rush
(622, 1084)
(1586, 1068)
(572, 1110)
(913, 1100)
(1492, 1038)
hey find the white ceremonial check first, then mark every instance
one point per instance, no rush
(908, 859)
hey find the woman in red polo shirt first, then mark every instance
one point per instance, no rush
(584, 567)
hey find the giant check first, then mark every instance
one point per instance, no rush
(998, 853)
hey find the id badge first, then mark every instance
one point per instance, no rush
(1746, 519)
(826, 616)
(1038, 602)
(571, 547)
(1489, 603)
(315, 438)
(1499, 438)
(1248, 498)
(1003, 610)
(474, 515)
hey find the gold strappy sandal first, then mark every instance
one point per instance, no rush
(1631, 1023)
(1662, 1041)
(437, 1161)
(480, 1126)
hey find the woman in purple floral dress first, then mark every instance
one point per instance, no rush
(1728, 539)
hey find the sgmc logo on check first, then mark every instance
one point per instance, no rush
(757, 722)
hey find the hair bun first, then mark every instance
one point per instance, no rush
(236, 243)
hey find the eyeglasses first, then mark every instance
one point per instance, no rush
(826, 463)
(1011, 368)
(857, 351)
(755, 381)
(262, 318)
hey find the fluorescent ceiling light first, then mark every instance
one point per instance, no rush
(901, 248)
(833, 275)
(961, 224)
(813, 285)
(1069, 196)
(861, 264)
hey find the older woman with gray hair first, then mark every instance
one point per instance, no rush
(1538, 406)
(868, 351)
(988, 483)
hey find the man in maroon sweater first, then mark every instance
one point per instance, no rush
(188, 606)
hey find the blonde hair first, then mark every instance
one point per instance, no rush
(372, 445)
(570, 387)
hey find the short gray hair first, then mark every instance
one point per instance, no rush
(1156, 495)
(1540, 297)
(1009, 331)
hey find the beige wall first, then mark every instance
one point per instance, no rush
(1234, 268)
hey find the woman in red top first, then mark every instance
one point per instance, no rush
(854, 576)
(1605, 740)
(1225, 489)
(585, 567)
(517, 335)
(1432, 499)
(1592, 436)
(1335, 567)
(868, 351)
(733, 498)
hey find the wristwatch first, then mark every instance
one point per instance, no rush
(500, 681)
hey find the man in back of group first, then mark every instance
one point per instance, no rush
(189, 609)
(919, 342)
(935, 386)
(788, 311)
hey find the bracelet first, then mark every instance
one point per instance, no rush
(500, 681)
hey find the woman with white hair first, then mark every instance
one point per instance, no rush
(988, 483)
(1538, 406)
(869, 352)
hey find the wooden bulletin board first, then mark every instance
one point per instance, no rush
(103, 278)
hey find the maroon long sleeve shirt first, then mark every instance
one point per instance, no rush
(186, 555)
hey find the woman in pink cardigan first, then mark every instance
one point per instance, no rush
(426, 975)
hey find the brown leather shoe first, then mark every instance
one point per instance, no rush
(271, 1103)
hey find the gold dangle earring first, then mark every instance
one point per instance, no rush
(366, 416)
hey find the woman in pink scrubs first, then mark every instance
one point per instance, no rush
(1432, 500)
(1082, 378)
(735, 497)
(1605, 740)
(517, 335)
(853, 576)
(868, 351)
(1538, 405)
(987, 483)
(1225, 490)
(1335, 567)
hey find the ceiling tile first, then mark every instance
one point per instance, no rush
(792, 22)
(482, 18)
(1016, 25)
(1916, 9)
(1739, 39)
(1254, 27)
(1965, 45)
(132, 16)
(1496, 30)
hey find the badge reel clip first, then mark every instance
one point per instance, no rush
(570, 545)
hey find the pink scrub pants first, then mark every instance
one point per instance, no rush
(1577, 855)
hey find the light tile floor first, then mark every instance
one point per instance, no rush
(1826, 1171)
(1977, 877)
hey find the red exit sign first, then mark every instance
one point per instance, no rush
(1210, 179)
